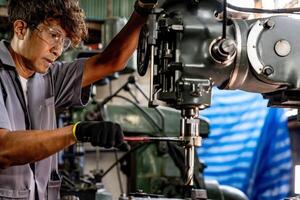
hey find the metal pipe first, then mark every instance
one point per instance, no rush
(109, 9)
(151, 74)
(149, 139)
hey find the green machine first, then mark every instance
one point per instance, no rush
(154, 166)
(156, 169)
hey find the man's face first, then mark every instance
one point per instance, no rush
(43, 45)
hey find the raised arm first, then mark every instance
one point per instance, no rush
(117, 53)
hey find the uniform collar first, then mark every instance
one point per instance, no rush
(5, 55)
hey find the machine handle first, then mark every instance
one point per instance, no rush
(149, 139)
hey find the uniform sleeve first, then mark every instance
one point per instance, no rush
(67, 84)
(4, 119)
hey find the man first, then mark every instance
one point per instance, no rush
(249, 145)
(32, 85)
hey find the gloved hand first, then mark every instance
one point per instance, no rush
(100, 133)
(144, 7)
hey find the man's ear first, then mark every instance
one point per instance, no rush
(20, 28)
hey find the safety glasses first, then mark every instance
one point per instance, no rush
(54, 37)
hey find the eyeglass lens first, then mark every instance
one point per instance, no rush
(54, 37)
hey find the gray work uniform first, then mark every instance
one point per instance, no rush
(59, 87)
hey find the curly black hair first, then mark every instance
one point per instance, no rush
(34, 12)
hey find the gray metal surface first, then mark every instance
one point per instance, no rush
(252, 47)
(286, 68)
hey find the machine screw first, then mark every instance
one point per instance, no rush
(269, 24)
(268, 70)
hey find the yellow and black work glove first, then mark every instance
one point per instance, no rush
(100, 133)
(144, 7)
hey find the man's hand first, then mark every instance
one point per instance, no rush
(144, 7)
(103, 134)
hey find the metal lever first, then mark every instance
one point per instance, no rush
(150, 139)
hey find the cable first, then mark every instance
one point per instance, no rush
(224, 19)
(133, 96)
(260, 10)
(122, 157)
(141, 91)
(131, 80)
(160, 113)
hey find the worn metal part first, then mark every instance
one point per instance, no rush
(252, 46)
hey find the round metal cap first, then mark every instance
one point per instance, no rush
(282, 48)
